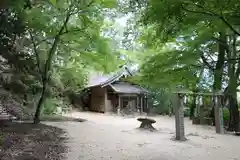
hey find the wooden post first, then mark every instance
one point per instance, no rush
(119, 105)
(218, 115)
(106, 107)
(146, 108)
(196, 109)
(179, 118)
(202, 111)
(137, 103)
(141, 106)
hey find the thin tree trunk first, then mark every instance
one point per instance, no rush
(47, 67)
(39, 105)
(193, 107)
(218, 73)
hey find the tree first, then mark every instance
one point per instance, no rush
(187, 20)
(71, 26)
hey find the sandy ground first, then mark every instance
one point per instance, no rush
(107, 137)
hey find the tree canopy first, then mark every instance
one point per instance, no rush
(50, 47)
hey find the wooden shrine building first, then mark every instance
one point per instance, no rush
(113, 93)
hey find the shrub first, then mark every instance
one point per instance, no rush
(186, 112)
(53, 106)
(225, 114)
(160, 109)
(49, 106)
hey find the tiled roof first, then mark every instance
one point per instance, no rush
(97, 80)
(123, 87)
(103, 80)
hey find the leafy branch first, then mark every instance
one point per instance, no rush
(209, 13)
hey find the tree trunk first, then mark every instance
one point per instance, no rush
(233, 105)
(218, 72)
(233, 74)
(193, 107)
(46, 75)
(194, 101)
(234, 115)
(179, 118)
(218, 115)
(40, 104)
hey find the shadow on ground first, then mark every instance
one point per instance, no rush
(25, 141)
(59, 118)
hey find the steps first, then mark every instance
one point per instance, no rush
(4, 115)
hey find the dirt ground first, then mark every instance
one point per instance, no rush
(25, 141)
(109, 137)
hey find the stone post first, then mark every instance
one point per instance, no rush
(179, 118)
(218, 115)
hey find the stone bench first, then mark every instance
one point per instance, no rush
(146, 123)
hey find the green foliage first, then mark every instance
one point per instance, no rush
(49, 106)
(75, 29)
(226, 114)
(54, 2)
(186, 112)
(54, 106)
(59, 44)
(171, 17)
(169, 68)
(178, 35)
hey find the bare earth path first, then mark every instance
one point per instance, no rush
(108, 137)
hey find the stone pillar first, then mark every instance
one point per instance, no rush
(218, 115)
(179, 118)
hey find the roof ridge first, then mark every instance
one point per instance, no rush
(113, 76)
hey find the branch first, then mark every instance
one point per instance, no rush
(229, 25)
(198, 12)
(233, 59)
(210, 13)
(36, 52)
(209, 56)
(44, 40)
(221, 41)
(53, 49)
(206, 62)
(72, 31)
(81, 11)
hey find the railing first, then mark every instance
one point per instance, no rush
(179, 111)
